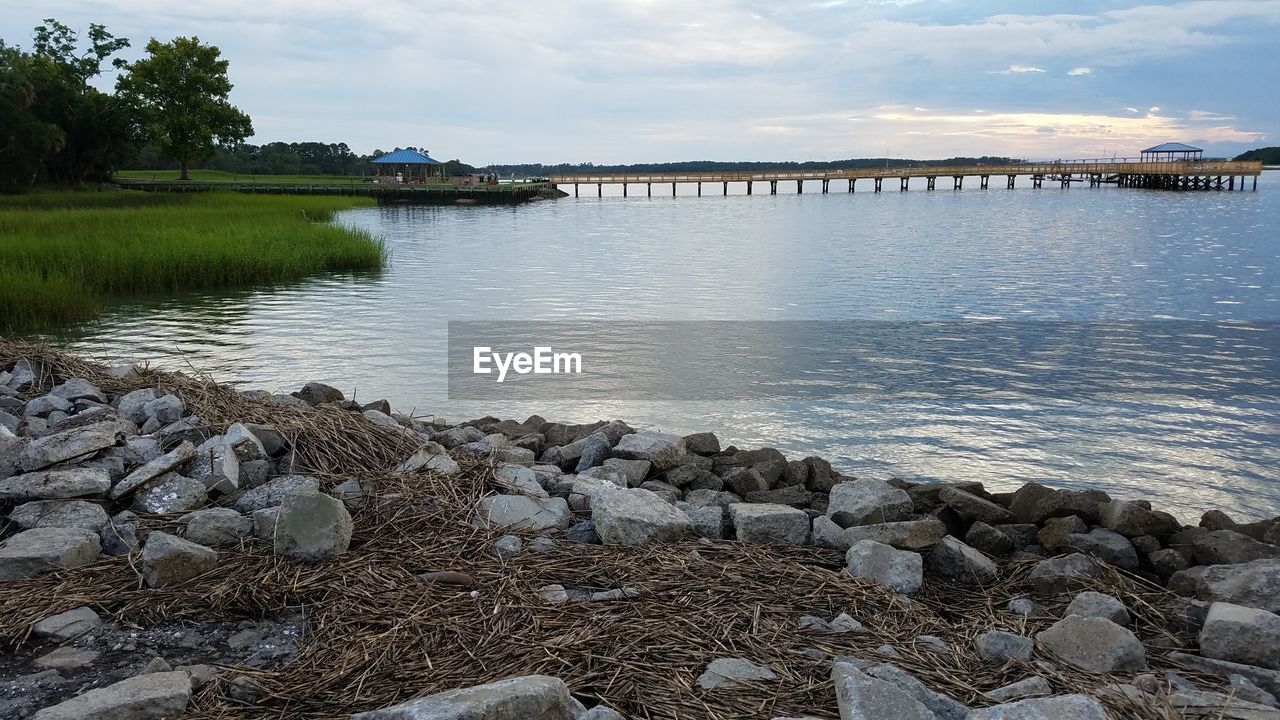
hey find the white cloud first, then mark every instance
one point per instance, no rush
(1019, 69)
(1077, 72)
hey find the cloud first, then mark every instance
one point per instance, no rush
(1019, 69)
(1077, 72)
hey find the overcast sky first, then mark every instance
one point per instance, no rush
(662, 80)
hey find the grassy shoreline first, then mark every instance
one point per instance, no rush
(62, 253)
(221, 176)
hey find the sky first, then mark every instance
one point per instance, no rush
(508, 81)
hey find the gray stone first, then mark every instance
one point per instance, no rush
(154, 469)
(508, 546)
(1035, 503)
(744, 481)
(1058, 707)
(521, 512)
(708, 522)
(69, 444)
(78, 388)
(601, 712)
(768, 524)
(171, 493)
(46, 404)
(826, 533)
(168, 560)
(460, 435)
(56, 484)
(518, 479)
(216, 527)
(1025, 607)
(1028, 687)
(312, 528)
(59, 513)
(67, 625)
(317, 393)
(273, 442)
(431, 456)
(1056, 530)
(1268, 680)
(132, 405)
(732, 671)
(866, 502)
(67, 658)
(142, 697)
(862, 697)
(1132, 519)
(164, 409)
(1218, 706)
(901, 570)
(635, 471)
(532, 697)
(670, 493)
(662, 450)
(989, 540)
(1166, 562)
(275, 491)
(120, 535)
(973, 508)
(637, 517)
(1022, 534)
(998, 646)
(1253, 584)
(594, 451)
(38, 550)
(246, 445)
(703, 443)
(583, 532)
(942, 706)
(905, 534)
(264, 523)
(1094, 644)
(1228, 547)
(216, 465)
(1096, 604)
(1060, 574)
(1240, 634)
(792, 495)
(1246, 690)
(960, 563)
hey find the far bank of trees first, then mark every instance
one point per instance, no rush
(1268, 155)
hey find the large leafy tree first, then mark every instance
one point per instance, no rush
(181, 90)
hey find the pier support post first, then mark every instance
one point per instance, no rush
(1037, 181)
(699, 189)
(878, 184)
(851, 182)
(983, 181)
(624, 189)
(575, 189)
(958, 183)
(773, 187)
(825, 183)
(929, 182)
(1011, 179)
(726, 189)
(673, 189)
(904, 183)
(748, 187)
(649, 188)
(1255, 183)
(599, 189)
(799, 187)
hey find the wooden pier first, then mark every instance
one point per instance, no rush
(426, 193)
(1198, 175)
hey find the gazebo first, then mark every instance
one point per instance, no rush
(407, 166)
(1172, 152)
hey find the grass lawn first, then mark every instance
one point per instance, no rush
(220, 176)
(61, 253)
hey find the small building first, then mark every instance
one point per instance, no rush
(407, 166)
(1172, 152)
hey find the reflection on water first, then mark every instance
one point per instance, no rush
(1079, 255)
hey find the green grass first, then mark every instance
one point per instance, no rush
(62, 253)
(220, 176)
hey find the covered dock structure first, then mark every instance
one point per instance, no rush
(1172, 152)
(407, 166)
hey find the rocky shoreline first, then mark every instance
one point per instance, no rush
(177, 548)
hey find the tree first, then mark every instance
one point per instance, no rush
(181, 90)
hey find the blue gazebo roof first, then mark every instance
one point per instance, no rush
(1172, 147)
(405, 157)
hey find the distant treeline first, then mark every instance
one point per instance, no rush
(538, 169)
(1268, 155)
(281, 158)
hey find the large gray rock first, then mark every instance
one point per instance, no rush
(216, 527)
(1132, 519)
(59, 513)
(662, 450)
(769, 524)
(1268, 680)
(957, 562)
(1106, 545)
(901, 570)
(67, 625)
(942, 706)
(69, 444)
(1027, 687)
(56, 484)
(521, 512)
(989, 540)
(431, 456)
(974, 508)
(312, 528)
(273, 492)
(169, 560)
(1094, 644)
(866, 502)
(317, 393)
(532, 697)
(142, 697)
(704, 443)
(32, 552)
(824, 532)
(904, 535)
(1240, 634)
(518, 479)
(862, 697)
(635, 471)
(78, 389)
(120, 535)
(1060, 574)
(44, 405)
(998, 646)
(1228, 547)
(732, 671)
(164, 409)
(1096, 604)
(637, 517)
(132, 405)
(171, 493)
(1034, 503)
(1058, 707)
(154, 468)
(216, 465)
(1253, 584)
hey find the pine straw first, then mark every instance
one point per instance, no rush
(378, 635)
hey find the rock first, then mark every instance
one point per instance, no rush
(820, 478)
(143, 697)
(594, 451)
(431, 456)
(1025, 607)
(316, 393)
(905, 535)
(45, 405)
(585, 533)
(56, 484)
(1096, 604)
(554, 594)
(460, 435)
(520, 512)
(793, 495)
(635, 471)
(508, 546)
(59, 513)
(703, 443)
(826, 533)
(708, 522)
(1060, 574)
(264, 523)
(1132, 519)
(942, 706)
(216, 527)
(731, 671)
(669, 493)
(1028, 687)
(312, 528)
(744, 481)
(1094, 644)
(1056, 530)
(171, 493)
(1268, 680)
(169, 560)
(274, 492)
(1244, 689)
(77, 389)
(1166, 562)
(68, 445)
(955, 561)
(273, 442)
(601, 712)
(636, 517)
(216, 465)
(131, 405)
(1240, 634)
(1022, 534)
(901, 570)
(532, 697)
(769, 524)
(998, 646)
(973, 508)
(120, 535)
(1191, 703)
(1058, 707)
(862, 697)
(154, 469)
(1228, 547)
(164, 409)
(67, 625)
(38, 550)
(986, 539)
(662, 450)
(1035, 503)
(67, 658)
(1252, 584)
(866, 502)
(246, 445)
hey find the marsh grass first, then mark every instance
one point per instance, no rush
(61, 253)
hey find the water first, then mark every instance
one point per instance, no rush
(1025, 258)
